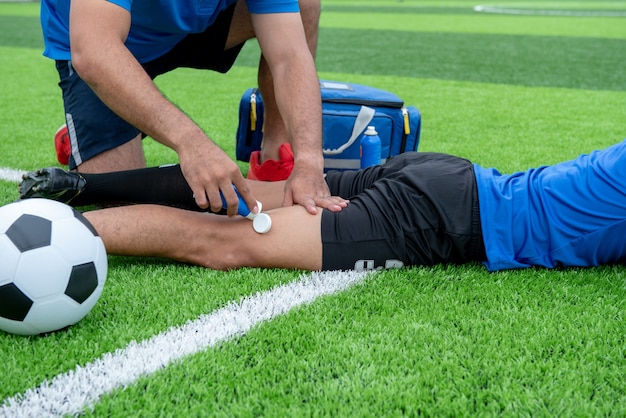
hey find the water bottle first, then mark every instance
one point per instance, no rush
(370, 148)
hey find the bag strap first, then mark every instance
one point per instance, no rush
(363, 118)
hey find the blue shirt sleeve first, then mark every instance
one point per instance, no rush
(125, 4)
(157, 25)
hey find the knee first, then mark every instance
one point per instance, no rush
(223, 256)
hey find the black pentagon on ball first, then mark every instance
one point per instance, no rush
(85, 222)
(14, 304)
(83, 281)
(29, 232)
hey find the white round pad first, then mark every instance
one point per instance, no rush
(262, 223)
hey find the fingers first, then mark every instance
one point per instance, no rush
(199, 195)
(312, 203)
(332, 203)
(245, 193)
(227, 199)
(211, 176)
(309, 189)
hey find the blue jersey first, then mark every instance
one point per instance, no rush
(156, 26)
(569, 214)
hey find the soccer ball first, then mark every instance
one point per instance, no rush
(53, 266)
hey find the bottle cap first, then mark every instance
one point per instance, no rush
(262, 223)
(371, 130)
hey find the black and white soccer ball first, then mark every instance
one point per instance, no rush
(53, 266)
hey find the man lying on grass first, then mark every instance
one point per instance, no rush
(417, 209)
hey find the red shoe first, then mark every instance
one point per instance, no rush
(271, 170)
(62, 145)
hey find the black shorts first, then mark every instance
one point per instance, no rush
(417, 209)
(203, 51)
(94, 128)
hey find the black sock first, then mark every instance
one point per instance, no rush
(163, 185)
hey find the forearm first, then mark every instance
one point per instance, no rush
(299, 102)
(122, 84)
(295, 83)
(98, 31)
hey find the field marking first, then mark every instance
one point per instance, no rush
(72, 392)
(9, 174)
(547, 12)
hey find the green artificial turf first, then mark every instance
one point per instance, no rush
(505, 91)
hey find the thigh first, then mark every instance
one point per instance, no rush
(352, 182)
(419, 209)
(241, 28)
(128, 156)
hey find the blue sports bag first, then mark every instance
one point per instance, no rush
(348, 109)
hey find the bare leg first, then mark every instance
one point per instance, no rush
(128, 156)
(209, 240)
(269, 193)
(275, 133)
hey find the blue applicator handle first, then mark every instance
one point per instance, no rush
(242, 208)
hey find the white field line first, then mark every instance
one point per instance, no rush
(548, 12)
(9, 174)
(72, 392)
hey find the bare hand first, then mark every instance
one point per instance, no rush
(306, 186)
(208, 170)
